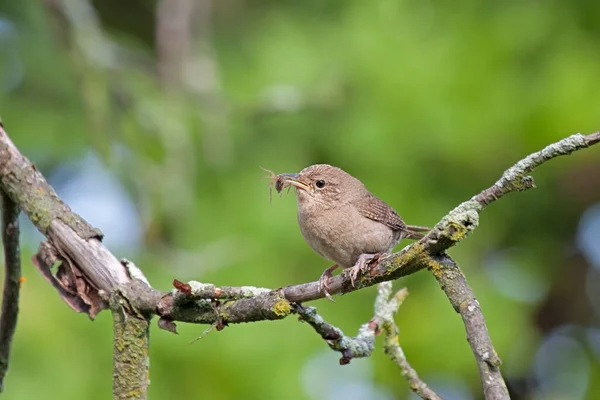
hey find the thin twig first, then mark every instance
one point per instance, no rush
(385, 308)
(515, 179)
(359, 346)
(12, 281)
(592, 138)
(363, 344)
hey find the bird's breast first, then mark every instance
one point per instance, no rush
(342, 235)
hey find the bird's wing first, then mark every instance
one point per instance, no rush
(378, 210)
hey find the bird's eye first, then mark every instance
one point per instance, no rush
(320, 183)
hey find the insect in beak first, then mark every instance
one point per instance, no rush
(292, 179)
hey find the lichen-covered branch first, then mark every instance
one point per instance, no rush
(454, 284)
(131, 361)
(87, 272)
(180, 306)
(26, 186)
(386, 306)
(359, 346)
(12, 281)
(363, 344)
(515, 179)
(75, 240)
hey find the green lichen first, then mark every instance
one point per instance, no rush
(495, 360)
(404, 258)
(406, 262)
(435, 267)
(455, 231)
(459, 223)
(130, 353)
(282, 308)
(224, 311)
(520, 183)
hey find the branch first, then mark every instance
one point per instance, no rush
(515, 178)
(351, 347)
(385, 308)
(12, 281)
(453, 282)
(364, 343)
(131, 361)
(68, 232)
(88, 273)
(244, 304)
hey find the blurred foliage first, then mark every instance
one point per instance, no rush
(426, 102)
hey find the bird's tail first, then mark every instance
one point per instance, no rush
(416, 232)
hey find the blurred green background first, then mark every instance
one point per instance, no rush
(152, 119)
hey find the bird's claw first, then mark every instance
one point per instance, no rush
(323, 283)
(362, 264)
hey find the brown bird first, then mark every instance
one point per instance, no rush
(342, 221)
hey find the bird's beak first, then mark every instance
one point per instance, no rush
(293, 180)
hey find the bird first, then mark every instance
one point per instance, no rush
(342, 221)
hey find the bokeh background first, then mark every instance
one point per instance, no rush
(151, 120)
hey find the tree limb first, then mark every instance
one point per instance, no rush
(131, 361)
(12, 281)
(88, 272)
(461, 296)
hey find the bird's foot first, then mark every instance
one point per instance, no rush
(362, 264)
(323, 284)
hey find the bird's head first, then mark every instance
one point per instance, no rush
(323, 186)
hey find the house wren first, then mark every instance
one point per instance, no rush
(342, 221)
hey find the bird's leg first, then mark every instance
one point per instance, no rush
(364, 260)
(324, 281)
